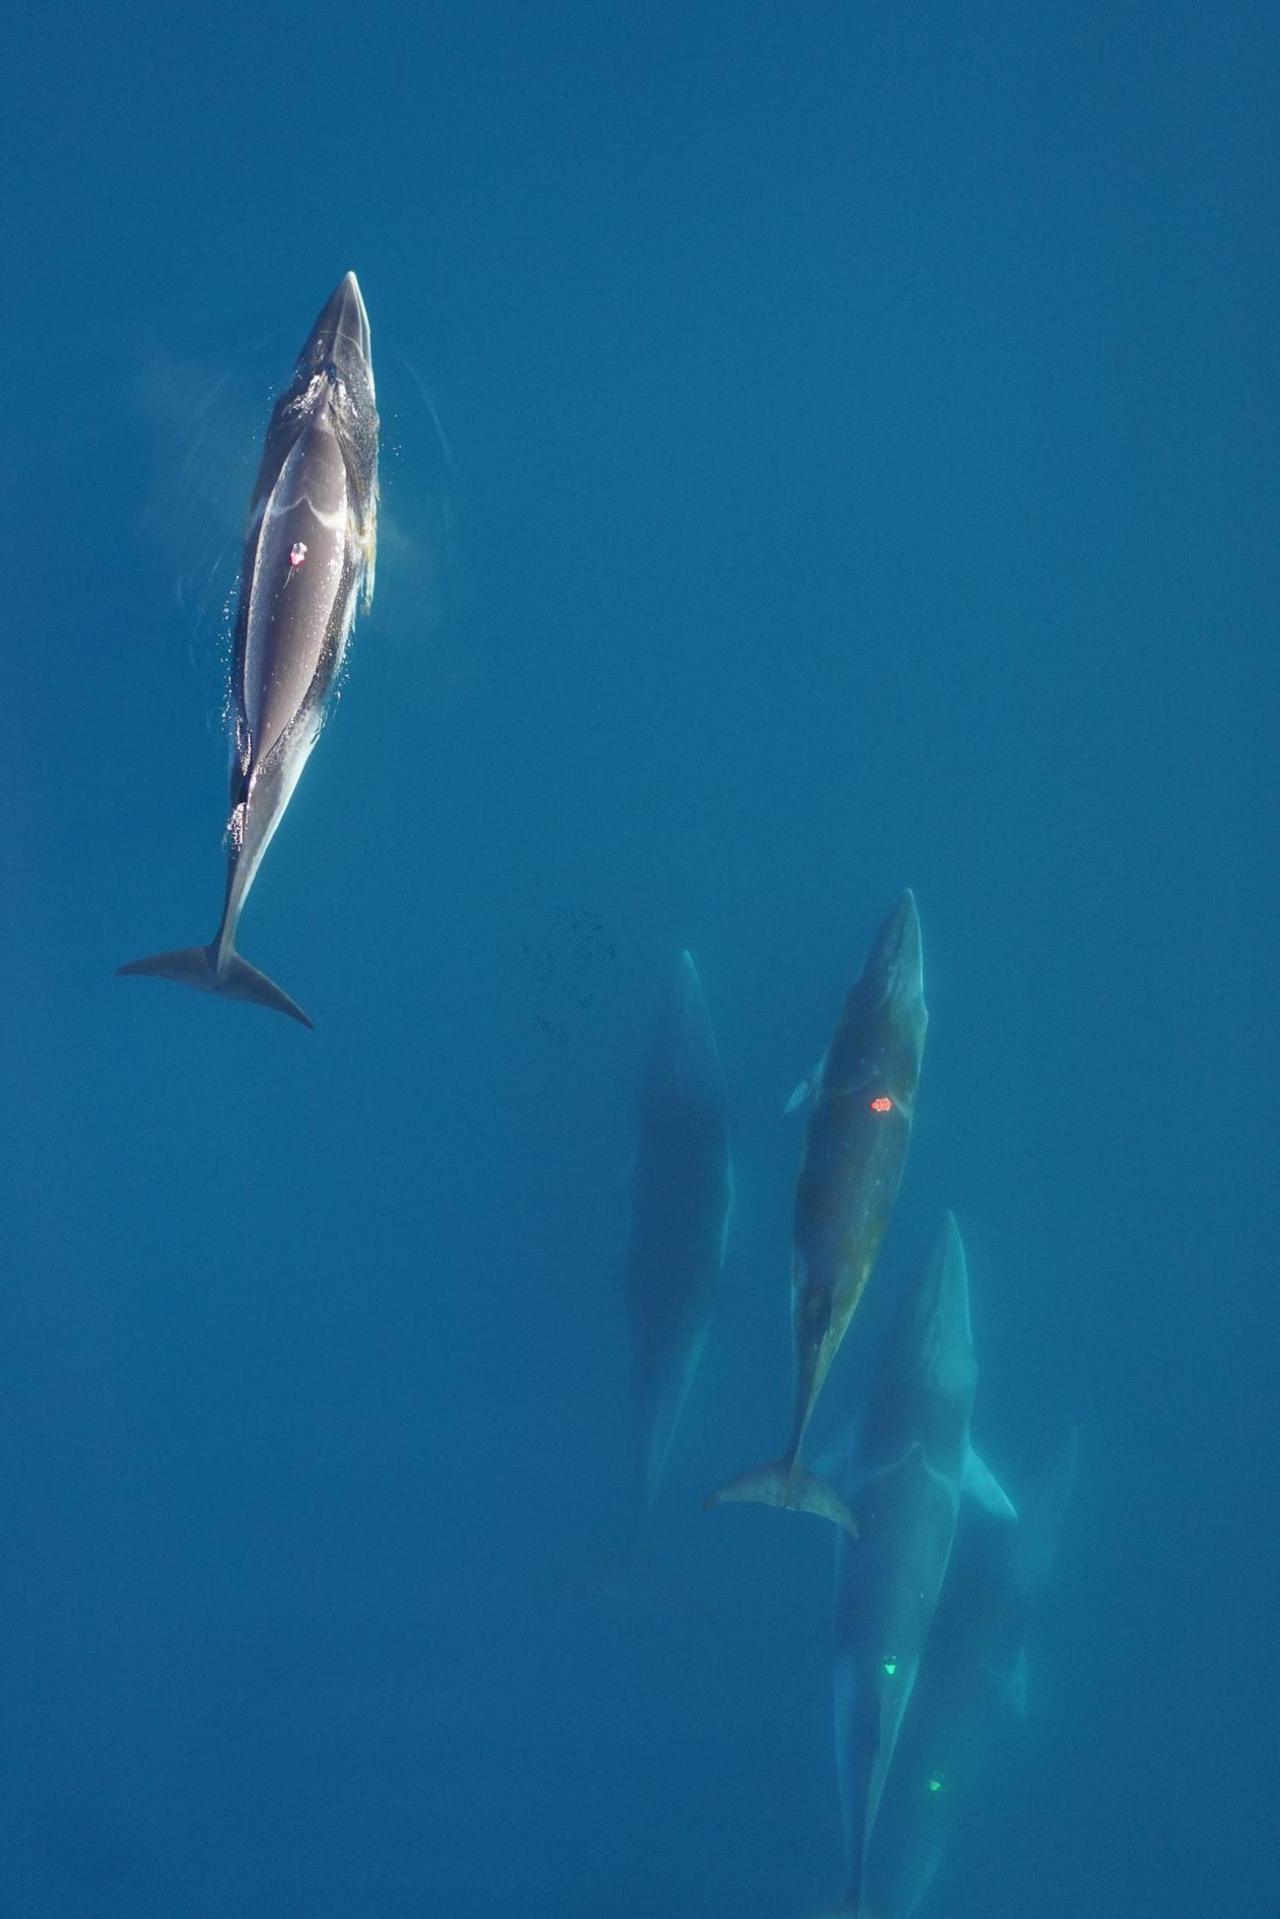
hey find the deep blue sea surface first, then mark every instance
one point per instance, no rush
(827, 447)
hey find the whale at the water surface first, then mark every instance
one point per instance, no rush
(308, 559)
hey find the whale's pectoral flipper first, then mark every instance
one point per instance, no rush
(232, 978)
(806, 1089)
(793, 1487)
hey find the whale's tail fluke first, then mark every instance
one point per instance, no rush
(791, 1486)
(230, 976)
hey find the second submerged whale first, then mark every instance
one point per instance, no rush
(681, 1198)
(903, 1482)
(973, 1678)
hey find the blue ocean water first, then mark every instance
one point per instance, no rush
(827, 448)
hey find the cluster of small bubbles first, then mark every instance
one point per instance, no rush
(567, 969)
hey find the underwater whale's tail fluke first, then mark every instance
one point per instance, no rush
(791, 1486)
(230, 976)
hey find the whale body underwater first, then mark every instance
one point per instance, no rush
(308, 561)
(681, 1200)
(862, 1100)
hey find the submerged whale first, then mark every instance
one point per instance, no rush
(902, 1482)
(308, 558)
(972, 1681)
(681, 1197)
(863, 1099)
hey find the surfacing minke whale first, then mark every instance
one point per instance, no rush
(308, 559)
